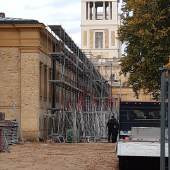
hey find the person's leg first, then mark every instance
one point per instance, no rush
(113, 136)
(109, 135)
(116, 135)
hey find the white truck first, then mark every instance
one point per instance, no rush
(138, 146)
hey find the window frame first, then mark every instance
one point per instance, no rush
(103, 44)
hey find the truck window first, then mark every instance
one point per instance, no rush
(138, 114)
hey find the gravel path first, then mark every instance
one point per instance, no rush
(39, 156)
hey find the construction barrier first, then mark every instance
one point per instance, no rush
(69, 136)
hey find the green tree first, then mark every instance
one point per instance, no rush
(146, 32)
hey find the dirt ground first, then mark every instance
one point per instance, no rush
(41, 156)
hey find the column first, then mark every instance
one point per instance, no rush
(94, 11)
(104, 10)
(113, 10)
(30, 94)
(88, 10)
(109, 11)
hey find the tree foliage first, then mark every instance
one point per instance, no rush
(146, 32)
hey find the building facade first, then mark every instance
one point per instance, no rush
(99, 26)
(24, 63)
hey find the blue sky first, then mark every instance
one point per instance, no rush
(64, 12)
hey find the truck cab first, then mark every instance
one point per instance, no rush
(139, 136)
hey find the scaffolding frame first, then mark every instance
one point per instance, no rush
(83, 103)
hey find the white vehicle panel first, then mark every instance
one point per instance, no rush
(147, 149)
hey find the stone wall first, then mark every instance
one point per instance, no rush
(127, 94)
(30, 104)
(10, 82)
(21, 52)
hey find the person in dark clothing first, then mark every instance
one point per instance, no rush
(113, 127)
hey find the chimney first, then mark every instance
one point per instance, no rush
(2, 15)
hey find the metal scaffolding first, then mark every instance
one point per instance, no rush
(81, 97)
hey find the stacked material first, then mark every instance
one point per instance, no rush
(2, 117)
(9, 131)
(1, 140)
(57, 138)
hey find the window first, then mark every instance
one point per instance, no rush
(50, 84)
(145, 114)
(139, 114)
(41, 80)
(113, 77)
(98, 39)
(45, 83)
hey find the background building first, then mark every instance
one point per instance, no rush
(100, 21)
(99, 25)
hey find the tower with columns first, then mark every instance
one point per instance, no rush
(99, 40)
(99, 26)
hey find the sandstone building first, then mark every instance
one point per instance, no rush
(44, 77)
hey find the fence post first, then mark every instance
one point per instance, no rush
(162, 147)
